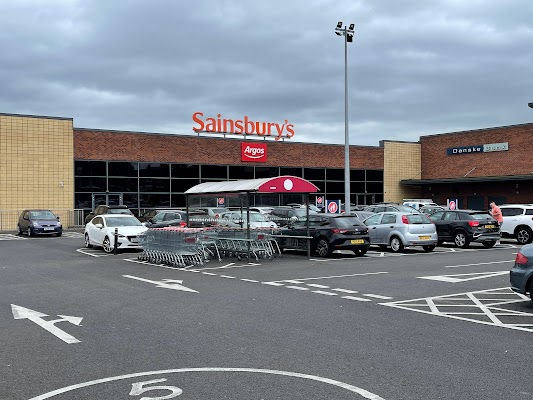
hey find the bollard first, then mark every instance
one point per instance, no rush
(115, 249)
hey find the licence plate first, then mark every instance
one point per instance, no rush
(357, 241)
(424, 237)
(490, 226)
(46, 228)
(133, 240)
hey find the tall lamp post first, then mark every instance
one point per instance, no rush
(530, 105)
(348, 37)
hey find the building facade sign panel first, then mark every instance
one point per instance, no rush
(478, 148)
(254, 152)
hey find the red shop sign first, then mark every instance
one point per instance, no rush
(254, 152)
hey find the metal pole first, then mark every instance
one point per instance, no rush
(115, 248)
(347, 201)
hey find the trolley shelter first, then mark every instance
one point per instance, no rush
(247, 188)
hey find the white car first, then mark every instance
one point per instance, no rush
(517, 222)
(100, 231)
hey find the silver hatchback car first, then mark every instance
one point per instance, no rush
(400, 230)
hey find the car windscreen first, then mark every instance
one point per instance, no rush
(418, 219)
(42, 215)
(118, 211)
(405, 209)
(115, 222)
(346, 222)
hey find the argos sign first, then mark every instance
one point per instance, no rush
(244, 126)
(254, 152)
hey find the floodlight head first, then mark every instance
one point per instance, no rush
(349, 38)
(339, 25)
(530, 105)
(337, 33)
(351, 27)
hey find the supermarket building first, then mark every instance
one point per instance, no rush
(45, 162)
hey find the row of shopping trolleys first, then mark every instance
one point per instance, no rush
(189, 247)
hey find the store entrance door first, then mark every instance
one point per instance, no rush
(109, 199)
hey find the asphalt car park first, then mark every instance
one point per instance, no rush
(380, 326)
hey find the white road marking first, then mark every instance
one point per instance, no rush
(227, 276)
(483, 263)
(37, 317)
(326, 260)
(464, 277)
(272, 283)
(326, 293)
(231, 265)
(89, 253)
(152, 264)
(444, 306)
(317, 285)
(331, 277)
(208, 273)
(249, 280)
(9, 236)
(345, 290)
(165, 283)
(354, 389)
(293, 281)
(297, 287)
(376, 296)
(355, 298)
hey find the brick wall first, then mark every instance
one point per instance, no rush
(516, 161)
(128, 146)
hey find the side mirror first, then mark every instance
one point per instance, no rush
(99, 226)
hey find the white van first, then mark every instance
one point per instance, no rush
(417, 203)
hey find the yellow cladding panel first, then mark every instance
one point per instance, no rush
(36, 163)
(401, 161)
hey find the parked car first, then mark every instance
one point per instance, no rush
(39, 222)
(390, 207)
(418, 203)
(100, 231)
(285, 214)
(164, 218)
(400, 230)
(465, 226)
(105, 209)
(517, 222)
(521, 275)
(328, 232)
(234, 219)
(213, 212)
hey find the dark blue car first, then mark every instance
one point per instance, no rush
(522, 271)
(39, 222)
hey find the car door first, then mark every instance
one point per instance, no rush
(96, 234)
(511, 218)
(24, 221)
(372, 223)
(450, 223)
(385, 227)
(436, 218)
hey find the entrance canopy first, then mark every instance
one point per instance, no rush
(278, 184)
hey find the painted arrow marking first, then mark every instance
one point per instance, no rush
(37, 317)
(464, 277)
(165, 283)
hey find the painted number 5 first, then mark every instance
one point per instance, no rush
(139, 388)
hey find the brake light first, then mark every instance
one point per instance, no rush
(404, 219)
(521, 259)
(473, 223)
(183, 224)
(337, 230)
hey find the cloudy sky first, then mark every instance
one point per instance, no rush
(415, 67)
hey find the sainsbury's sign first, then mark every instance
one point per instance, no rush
(244, 126)
(254, 152)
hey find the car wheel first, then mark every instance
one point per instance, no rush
(396, 244)
(87, 241)
(106, 245)
(323, 248)
(489, 244)
(20, 230)
(523, 235)
(429, 247)
(461, 240)
(59, 234)
(29, 232)
(531, 290)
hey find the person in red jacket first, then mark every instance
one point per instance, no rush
(497, 215)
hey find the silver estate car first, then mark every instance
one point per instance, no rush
(522, 271)
(400, 230)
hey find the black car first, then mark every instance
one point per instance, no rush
(328, 232)
(39, 222)
(285, 215)
(164, 218)
(465, 226)
(105, 209)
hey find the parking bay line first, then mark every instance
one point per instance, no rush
(330, 277)
(483, 263)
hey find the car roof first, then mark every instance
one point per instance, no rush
(116, 215)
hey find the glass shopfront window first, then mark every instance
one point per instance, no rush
(154, 185)
(241, 172)
(154, 170)
(120, 168)
(122, 185)
(90, 184)
(214, 171)
(266, 172)
(294, 171)
(185, 171)
(90, 168)
(317, 174)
